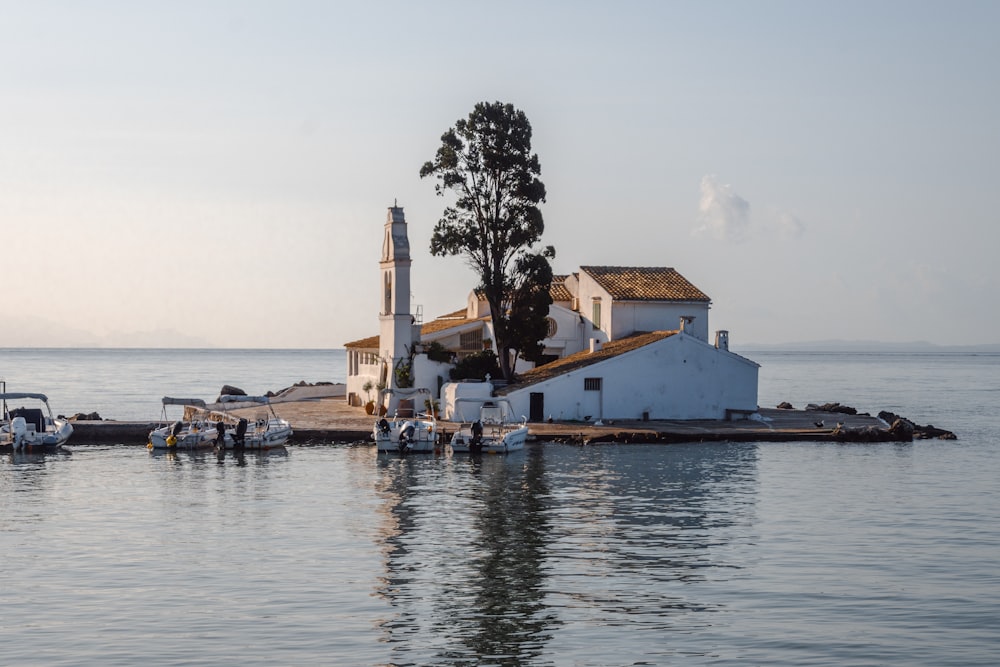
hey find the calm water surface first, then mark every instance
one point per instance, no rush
(701, 554)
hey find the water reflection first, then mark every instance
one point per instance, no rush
(503, 612)
(27, 480)
(504, 557)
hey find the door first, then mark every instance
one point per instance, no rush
(536, 406)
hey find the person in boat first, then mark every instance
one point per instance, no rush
(476, 442)
(383, 426)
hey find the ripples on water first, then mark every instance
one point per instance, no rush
(714, 554)
(609, 555)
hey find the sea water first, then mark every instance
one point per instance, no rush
(128, 384)
(701, 554)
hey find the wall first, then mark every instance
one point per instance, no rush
(680, 377)
(631, 316)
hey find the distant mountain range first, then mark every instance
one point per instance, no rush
(866, 346)
(28, 331)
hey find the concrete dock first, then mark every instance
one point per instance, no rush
(332, 420)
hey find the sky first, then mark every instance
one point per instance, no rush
(217, 173)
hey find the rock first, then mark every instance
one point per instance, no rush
(785, 405)
(229, 390)
(80, 416)
(837, 407)
(902, 430)
(929, 431)
(917, 431)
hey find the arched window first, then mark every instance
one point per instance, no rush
(388, 294)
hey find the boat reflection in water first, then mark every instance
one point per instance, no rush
(497, 556)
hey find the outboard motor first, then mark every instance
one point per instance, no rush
(220, 434)
(476, 442)
(178, 426)
(18, 432)
(383, 426)
(405, 436)
(239, 439)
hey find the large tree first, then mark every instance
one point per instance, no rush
(486, 161)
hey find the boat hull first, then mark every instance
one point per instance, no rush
(276, 434)
(499, 442)
(53, 437)
(387, 436)
(162, 438)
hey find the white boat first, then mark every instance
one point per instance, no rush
(408, 430)
(494, 431)
(193, 430)
(25, 429)
(201, 427)
(267, 429)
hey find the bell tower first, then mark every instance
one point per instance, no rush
(395, 320)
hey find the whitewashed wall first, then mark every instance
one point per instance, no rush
(680, 377)
(630, 316)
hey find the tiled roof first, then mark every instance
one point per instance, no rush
(558, 290)
(370, 343)
(447, 322)
(455, 319)
(644, 283)
(586, 358)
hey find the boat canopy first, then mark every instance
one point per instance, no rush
(196, 402)
(489, 410)
(15, 395)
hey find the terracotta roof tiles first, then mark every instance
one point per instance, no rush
(643, 283)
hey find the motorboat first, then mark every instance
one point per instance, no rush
(408, 430)
(264, 431)
(204, 426)
(33, 428)
(193, 430)
(494, 431)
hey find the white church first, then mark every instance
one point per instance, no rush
(623, 343)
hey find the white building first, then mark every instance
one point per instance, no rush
(623, 343)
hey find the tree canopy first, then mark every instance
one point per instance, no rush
(485, 160)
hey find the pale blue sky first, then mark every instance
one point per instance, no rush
(222, 169)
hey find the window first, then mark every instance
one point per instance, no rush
(597, 314)
(472, 340)
(591, 384)
(552, 327)
(387, 306)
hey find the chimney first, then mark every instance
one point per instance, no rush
(595, 345)
(686, 320)
(722, 339)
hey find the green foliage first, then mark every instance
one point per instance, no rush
(437, 352)
(404, 373)
(476, 366)
(486, 161)
(529, 305)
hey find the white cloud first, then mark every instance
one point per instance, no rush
(722, 213)
(789, 226)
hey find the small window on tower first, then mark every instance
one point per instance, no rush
(388, 294)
